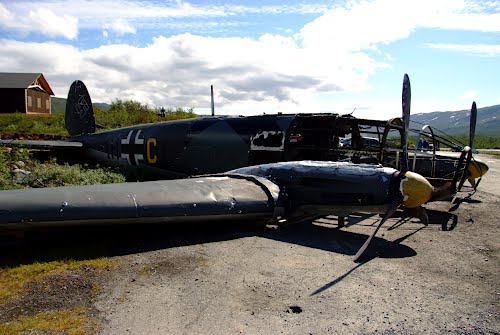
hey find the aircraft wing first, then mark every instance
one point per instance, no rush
(32, 144)
(221, 197)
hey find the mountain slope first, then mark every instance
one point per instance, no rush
(59, 105)
(457, 122)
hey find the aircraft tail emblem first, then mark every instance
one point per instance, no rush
(79, 111)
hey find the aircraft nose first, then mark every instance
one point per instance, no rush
(477, 169)
(416, 190)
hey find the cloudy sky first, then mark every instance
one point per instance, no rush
(262, 56)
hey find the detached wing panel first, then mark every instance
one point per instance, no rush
(32, 144)
(223, 197)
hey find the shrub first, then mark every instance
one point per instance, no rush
(50, 174)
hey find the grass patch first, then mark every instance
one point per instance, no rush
(13, 280)
(52, 124)
(71, 321)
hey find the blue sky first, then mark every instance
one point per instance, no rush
(262, 56)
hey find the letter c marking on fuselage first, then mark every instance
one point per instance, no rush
(151, 143)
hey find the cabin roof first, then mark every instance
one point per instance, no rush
(25, 80)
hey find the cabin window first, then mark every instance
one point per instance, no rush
(47, 104)
(30, 102)
(39, 102)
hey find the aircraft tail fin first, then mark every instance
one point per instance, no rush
(79, 111)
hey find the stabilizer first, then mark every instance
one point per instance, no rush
(79, 111)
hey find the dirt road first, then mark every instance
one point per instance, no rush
(444, 277)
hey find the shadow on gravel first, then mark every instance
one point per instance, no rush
(88, 242)
(467, 200)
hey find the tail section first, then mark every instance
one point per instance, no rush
(79, 111)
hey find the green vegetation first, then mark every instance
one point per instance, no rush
(480, 142)
(49, 174)
(57, 105)
(33, 124)
(128, 113)
(120, 114)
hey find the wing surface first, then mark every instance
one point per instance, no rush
(221, 197)
(35, 144)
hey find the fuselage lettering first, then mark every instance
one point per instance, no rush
(152, 158)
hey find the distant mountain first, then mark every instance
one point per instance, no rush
(488, 121)
(59, 105)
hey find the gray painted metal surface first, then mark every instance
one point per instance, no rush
(268, 192)
(42, 144)
(219, 197)
(330, 187)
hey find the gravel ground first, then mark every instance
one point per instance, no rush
(299, 279)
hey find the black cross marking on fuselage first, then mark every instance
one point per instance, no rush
(132, 147)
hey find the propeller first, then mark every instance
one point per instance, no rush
(461, 174)
(406, 104)
(465, 174)
(392, 209)
(476, 169)
(415, 190)
(473, 119)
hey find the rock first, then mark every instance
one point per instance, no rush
(20, 176)
(20, 164)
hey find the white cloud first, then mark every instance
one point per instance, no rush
(48, 23)
(358, 27)
(366, 24)
(41, 20)
(121, 27)
(479, 49)
(178, 70)
(469, 96)
(337, 52)
(94, 14)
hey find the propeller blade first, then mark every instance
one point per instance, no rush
(387, 215)
(466, 170)
(473, 184)
(406, 103)
(422, 215)
(458, 171)
(477, 183)
(473, 119)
